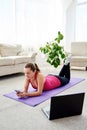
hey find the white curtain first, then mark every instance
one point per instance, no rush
(76, 22)
(31, 22)
(7, 21)
(38, 20)
(81, 21)
(70, 25)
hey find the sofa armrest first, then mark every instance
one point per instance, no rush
(34, 54)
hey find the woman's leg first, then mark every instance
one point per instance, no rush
(64, 75)
(65, 71)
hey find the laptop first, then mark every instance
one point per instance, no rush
(64, 106)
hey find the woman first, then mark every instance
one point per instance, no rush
(40, 82)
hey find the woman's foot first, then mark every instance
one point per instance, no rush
(68, 59)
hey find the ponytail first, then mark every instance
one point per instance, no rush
(36, 67)
(32, 66)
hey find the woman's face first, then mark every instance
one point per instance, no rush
(29, 74)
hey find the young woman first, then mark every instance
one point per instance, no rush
(40, 82)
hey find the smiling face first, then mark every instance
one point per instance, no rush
(29, 74)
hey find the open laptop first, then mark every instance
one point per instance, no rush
(64, 106)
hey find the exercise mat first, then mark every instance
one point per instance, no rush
(33, 101)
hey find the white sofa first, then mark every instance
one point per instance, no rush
(13, 58)
(79, 54)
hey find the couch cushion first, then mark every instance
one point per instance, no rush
(79, 48)
(6, 61)
(9, 49)
(21, 59)
(23, 53)
(79, 58)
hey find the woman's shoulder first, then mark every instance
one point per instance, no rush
(39, 74)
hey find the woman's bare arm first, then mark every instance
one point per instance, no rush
(40, 81)
(26, 85)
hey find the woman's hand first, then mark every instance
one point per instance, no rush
(22, 94)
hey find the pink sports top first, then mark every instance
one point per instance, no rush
(51, 82)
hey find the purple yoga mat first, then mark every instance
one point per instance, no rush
(33, 101)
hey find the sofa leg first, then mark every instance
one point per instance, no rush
(86, 68)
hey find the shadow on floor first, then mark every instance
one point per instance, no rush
(11, 76)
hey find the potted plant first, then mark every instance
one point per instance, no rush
(54, 51)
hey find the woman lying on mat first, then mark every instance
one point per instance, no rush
(41, 82)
